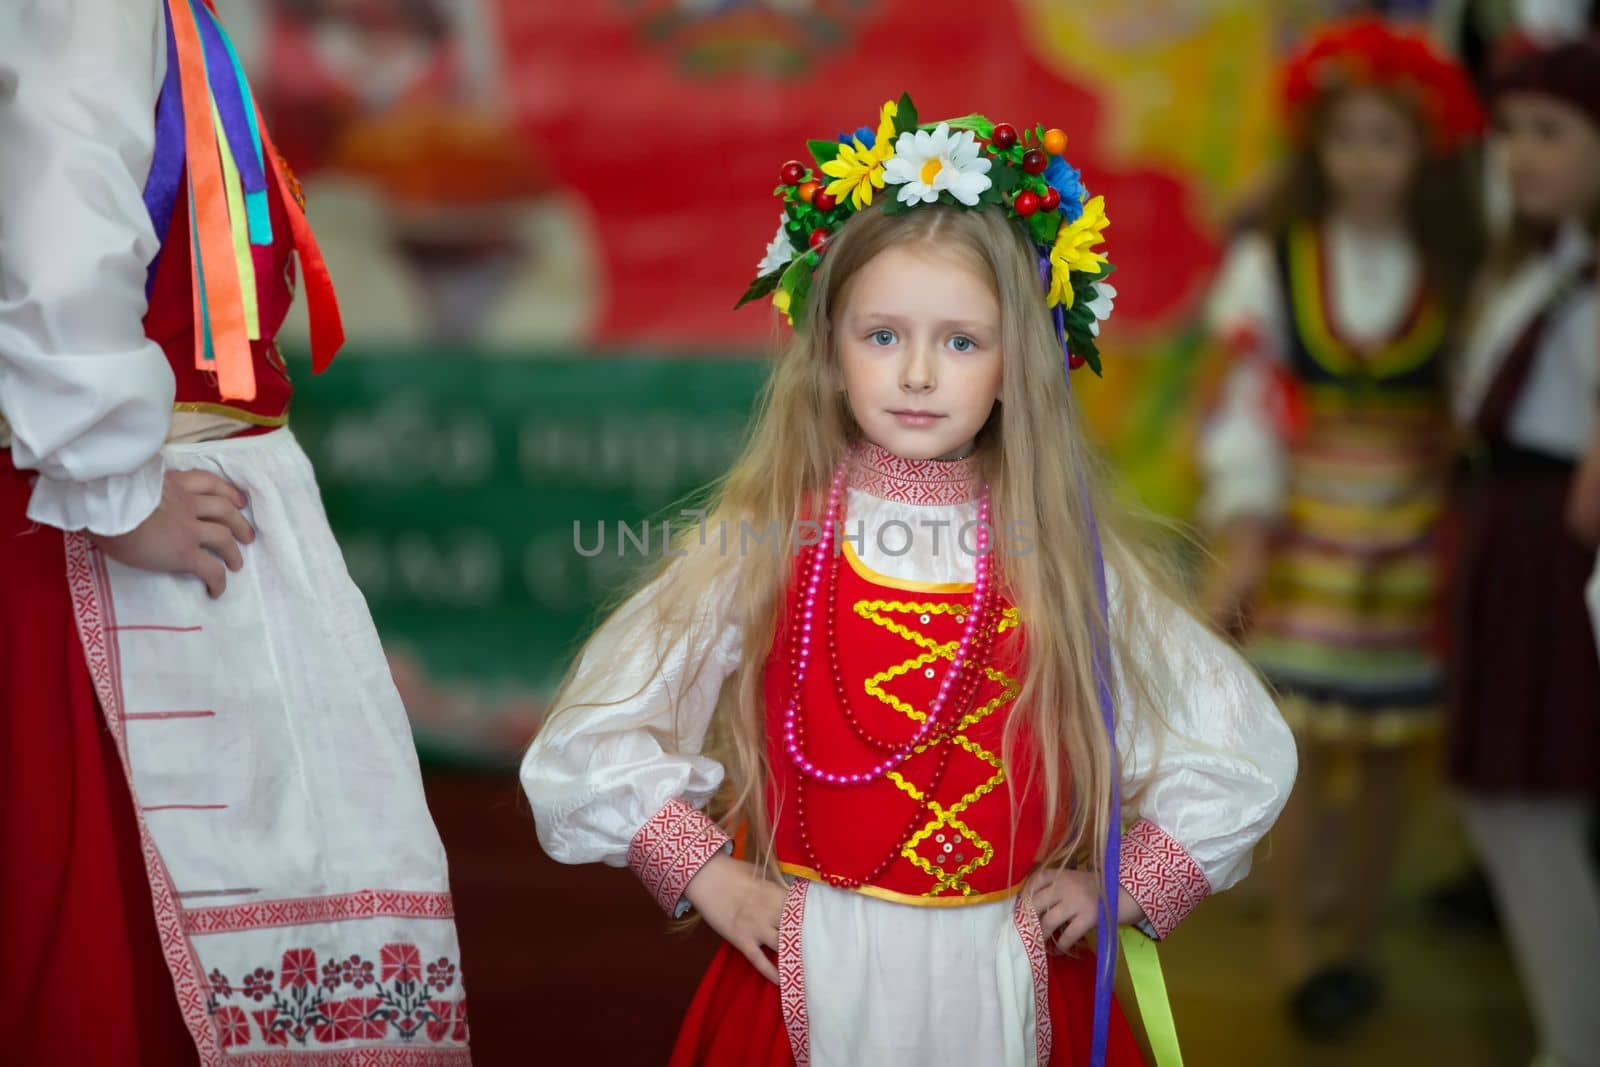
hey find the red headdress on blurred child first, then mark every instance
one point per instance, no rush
(1369, 53)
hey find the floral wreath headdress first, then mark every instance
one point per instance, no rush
(967, 162)
(1367, 52)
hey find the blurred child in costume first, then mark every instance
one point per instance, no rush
(1327, 463)
(1524, 727)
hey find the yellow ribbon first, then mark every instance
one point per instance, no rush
(239, 230)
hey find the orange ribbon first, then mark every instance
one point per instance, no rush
(223, 310)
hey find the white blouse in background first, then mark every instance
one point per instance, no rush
(1559, 406)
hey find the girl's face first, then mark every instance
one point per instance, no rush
(1369, 149)
(1552, 157)
(918, 343)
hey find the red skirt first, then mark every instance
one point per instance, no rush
(1525, 684)
(82, 976)
(736, 1018)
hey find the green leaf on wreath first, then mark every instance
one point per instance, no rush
(905, 116)
(976, 123)
(1004, 178)
(824, 151)
(762, 286)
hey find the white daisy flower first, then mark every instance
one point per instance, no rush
(927, 163)
(779, 252)
(1104, 294)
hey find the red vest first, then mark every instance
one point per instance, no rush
(169, 319)
(958, 833)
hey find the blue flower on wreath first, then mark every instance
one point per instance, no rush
(864, 134)
(1065, 179)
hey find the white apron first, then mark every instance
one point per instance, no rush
(299, 884)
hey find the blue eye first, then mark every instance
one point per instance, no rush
(882, 338)
(963, 343)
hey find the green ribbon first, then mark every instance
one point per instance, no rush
(1150, 992)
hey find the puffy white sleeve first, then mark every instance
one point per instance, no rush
(617, 775)
(1241, 457)
(1209, 778)
(88, 397)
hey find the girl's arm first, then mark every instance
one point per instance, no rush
(1241, 456)
(1208, 777)
(617, 775)
(88, 397)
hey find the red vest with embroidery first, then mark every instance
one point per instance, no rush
(169, 319)
(948, 820)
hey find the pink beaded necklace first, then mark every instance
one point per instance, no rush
(793, 729)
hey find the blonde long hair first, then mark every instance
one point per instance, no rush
(1043, 478)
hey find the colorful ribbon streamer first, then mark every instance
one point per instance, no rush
(210, 137)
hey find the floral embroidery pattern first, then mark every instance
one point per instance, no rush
(354, 999)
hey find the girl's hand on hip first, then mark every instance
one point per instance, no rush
(742, 906)
(196, 529)
(1068, 903)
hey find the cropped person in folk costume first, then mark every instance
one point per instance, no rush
(926, 712)
(213, 838)
(1524, 728)
(1326, 464)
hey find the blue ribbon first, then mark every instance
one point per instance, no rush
(1110, 888)
(168, 161)
(231, 96)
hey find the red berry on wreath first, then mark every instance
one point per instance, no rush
(793, 172)
(819, 237)
(824, 200)
(1052, 199)
(1034, 161)
(1026, 203)
(1003, 136)
(1074, 361)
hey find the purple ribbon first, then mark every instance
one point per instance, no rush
(236, 116)
(167, 162)
(1058, 316)
(1110, 889)
(1105, 936)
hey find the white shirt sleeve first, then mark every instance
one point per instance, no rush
(1208, 779)
(88, 397)
(1241, 457)
(618, 750)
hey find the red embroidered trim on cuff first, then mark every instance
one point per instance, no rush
(1160, 875)
(671, 848)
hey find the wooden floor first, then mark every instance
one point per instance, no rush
(575, 964)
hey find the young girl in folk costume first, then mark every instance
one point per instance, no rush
(930, 714)
(1524, 728)
(215, 844)
(1327, 463)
